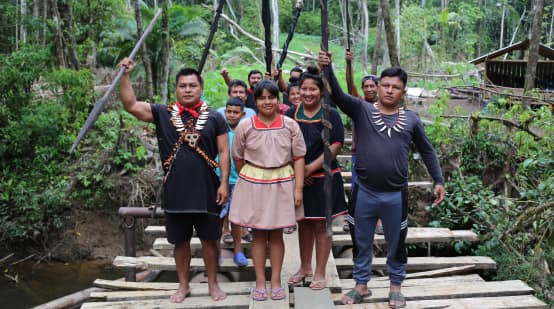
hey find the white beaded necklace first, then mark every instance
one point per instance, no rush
(200, 122)
(398, 126)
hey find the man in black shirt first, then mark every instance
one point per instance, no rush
(190, 136)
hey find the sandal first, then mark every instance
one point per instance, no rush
(228, 238)
(355, 296)
(397, 297)
(259, 294)
(278, 294)
(318, 284)
(298, 277)
(247, 237)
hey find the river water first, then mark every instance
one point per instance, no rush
(44, 282)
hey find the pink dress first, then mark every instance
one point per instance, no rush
(263, 197)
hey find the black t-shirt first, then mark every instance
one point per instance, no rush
(191, 184)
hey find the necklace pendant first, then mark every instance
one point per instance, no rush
(388, 132)
(383, 128)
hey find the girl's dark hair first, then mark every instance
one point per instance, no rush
(312, 72)
(268, 85)
(292, 85)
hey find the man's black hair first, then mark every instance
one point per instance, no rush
(268, 85)
(235, 102)
(396, 72)
(187, 72)
(298, 70)
(235, 83)
(373, 78)
(254, 72)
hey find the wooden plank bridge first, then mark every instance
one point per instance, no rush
(432, 282)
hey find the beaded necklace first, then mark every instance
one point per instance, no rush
(398, 126)
(189, 132)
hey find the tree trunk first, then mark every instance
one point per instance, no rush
(44, 23)
(551, 32)
(389, 32)
(58, 35)
(166, 53)
(144, 53)
(502, 24)
(397, 25)
(365, 34)
(377, 46)
(36, 16)
(67, 14)
(275, 19)
(22, 27)
(534, 40)
(423, 3)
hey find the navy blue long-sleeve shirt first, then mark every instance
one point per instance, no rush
(382, 161)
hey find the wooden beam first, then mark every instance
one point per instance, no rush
(452, 290)
(414, 263)
(200, 289)
(383, 282)
(308, 298)
(427, 263)
(231, 301)
(506, 302)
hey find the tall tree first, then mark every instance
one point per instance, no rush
(69, 33)
(144, 53)
(534, 41)
(389, 32)
(502, 24)
(365, 35)
(275, 13)
(58, 32)
(22, 26)
(166, 52)
(377, 46)
(551, 32)
(397, 25)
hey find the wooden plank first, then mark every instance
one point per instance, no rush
(414, 263)
(506, 302)
(417, 235)
(383, 282)
(427, 263)
(163, 244)
(155, 229)
(452, 290)
(441, 272)
(196, 288)
(231, 301)
(308, 298)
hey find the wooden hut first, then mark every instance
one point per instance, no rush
(507, 74)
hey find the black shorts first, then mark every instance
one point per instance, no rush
(179, 226)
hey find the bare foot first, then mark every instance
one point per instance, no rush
(180, 295)
(216, 293)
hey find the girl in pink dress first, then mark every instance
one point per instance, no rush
(268, 151)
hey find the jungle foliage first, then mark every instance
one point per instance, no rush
(500, 177)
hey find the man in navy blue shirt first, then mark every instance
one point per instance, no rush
(385, 131)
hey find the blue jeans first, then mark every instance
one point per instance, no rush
(390, 207)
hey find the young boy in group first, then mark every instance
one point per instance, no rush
(234, 112)
(385, 132)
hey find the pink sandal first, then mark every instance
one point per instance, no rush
(278, 294)
(259, 294)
